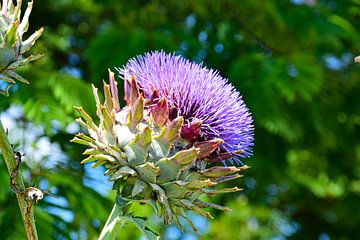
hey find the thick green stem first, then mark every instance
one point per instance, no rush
(113, 224)
(9, 157)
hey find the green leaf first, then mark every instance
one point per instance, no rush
(141, 224)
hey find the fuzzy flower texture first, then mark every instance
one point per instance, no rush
(167, 146)
(198, 94)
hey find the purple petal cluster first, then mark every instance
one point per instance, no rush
(196, 92)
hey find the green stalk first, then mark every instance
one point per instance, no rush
(113, 224)
(9, 157)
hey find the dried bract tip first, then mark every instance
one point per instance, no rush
(160, 112)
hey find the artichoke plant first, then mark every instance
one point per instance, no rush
(168, 145)
(12, 45)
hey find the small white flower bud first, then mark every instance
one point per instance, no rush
(33, 194)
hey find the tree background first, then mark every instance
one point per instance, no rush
(291, 60)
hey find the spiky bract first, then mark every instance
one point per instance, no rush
(146, 157)
(12, 45)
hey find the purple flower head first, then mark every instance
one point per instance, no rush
(196, 93)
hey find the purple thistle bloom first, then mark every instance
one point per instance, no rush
(196, 93)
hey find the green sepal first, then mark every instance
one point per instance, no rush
(158, 150)
(87, 118)
(139, 187)
(171, 167)
(228, 178)
(185, 157)
(148, 172)
(212, 192)
(30, 42)
(81, 141)
(85, 137)
(107, 120)
(81, 138)
(192, 176)
(136, 151)
(101, 157)
(180, 212)
(198, 184)
(175, 189)
(114, 91)
(109, 171)
(123, 134)
(163, 200)
(108, 98)
(123, 203)
(219, 171)
(136, 113)
(171, 131)
(91, 151)
(177, 221)
(190, 206)
(11, 35)
(17, 76)
(203, 204)
(122, 172)
(98, 163)
(22, 62)
(141, 225)
(24, 25)
(97, 101)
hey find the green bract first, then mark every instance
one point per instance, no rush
(12, 45)
(147, 159)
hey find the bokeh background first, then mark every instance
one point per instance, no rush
(292, 60)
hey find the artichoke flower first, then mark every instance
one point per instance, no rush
(167, 146)
(12, 45)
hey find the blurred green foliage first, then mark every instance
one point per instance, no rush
(291, 60)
